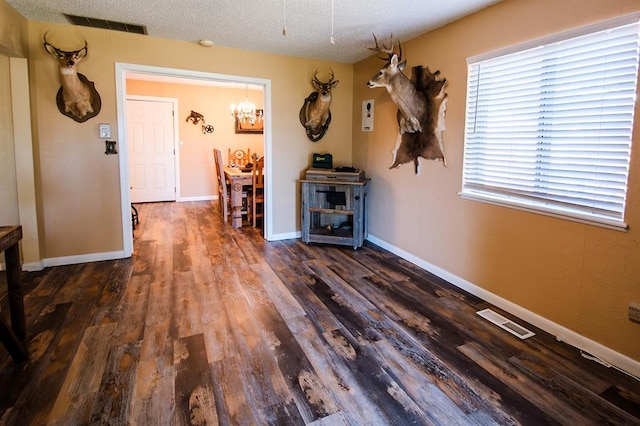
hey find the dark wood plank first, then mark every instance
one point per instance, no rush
(232, 403)
(82, 382)
(331, 361)
(195, 401)
(152, 399)
(113, 401)
(80, 290)
(18, 375)
(568, 388)
(544, 398)
(311, 397)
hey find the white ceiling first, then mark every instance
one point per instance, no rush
(257, 24)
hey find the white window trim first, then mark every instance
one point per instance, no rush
(538, 207)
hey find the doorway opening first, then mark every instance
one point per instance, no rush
(168, 74)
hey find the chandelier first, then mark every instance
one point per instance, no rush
(245, 111)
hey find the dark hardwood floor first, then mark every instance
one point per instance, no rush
(207, 324)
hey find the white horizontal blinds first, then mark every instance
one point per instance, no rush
(553, 123)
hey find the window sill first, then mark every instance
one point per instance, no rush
(546, 210)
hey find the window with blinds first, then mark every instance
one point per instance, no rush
(549, 124)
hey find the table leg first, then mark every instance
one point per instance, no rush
(16, 304)
(236, 205)
(15, 347)
(13, 338)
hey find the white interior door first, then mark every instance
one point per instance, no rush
(150, 136)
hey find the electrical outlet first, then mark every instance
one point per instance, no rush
(634, 312)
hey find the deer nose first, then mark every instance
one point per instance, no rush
(70, 63)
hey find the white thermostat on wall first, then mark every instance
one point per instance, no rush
(105, 131)
(367, 115)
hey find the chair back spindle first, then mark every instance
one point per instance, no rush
(257, 193)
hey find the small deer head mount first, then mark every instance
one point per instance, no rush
(77, 97)
(315, 115)
(421, 103)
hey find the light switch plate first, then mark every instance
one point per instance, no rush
(105, 131)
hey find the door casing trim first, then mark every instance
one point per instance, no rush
(176, 135)
(121, 70)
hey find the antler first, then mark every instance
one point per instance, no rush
(59, 52)
(386, 49)
(46, 43)
(320, 82)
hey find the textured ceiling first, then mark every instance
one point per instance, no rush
(257, 24)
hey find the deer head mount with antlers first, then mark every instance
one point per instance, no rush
(315, 115)
(421, 103)
(77, 97)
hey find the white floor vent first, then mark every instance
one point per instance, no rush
(505, 324)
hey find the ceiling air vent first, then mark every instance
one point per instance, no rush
(107, 25)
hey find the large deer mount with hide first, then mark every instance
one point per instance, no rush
(315, 115)
(421, 103)
(77, 97)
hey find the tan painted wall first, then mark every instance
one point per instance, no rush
(13, 32)
(197, 172)
(17, 188)
(8, 188)
(579, 276)
(79, 185)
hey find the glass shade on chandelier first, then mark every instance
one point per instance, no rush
(245, 112)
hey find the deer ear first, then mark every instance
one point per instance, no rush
(401, 65)
(335, 83)
(51, 50)
(394, 60)
(82, 53)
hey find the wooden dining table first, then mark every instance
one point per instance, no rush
(237, 179)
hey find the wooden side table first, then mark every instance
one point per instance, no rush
(334, 212)
(13, 338)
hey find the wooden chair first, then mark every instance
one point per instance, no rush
(256, 197)
(239, 157)
(224, 194)
(224, 190)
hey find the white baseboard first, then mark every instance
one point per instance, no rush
(198, 198)
(287, 236)
(69, 260)
(603, 354)
(32, 266)
(83, 258)
(28, 266)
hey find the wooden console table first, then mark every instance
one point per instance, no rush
(334, 212)
(13, 338)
